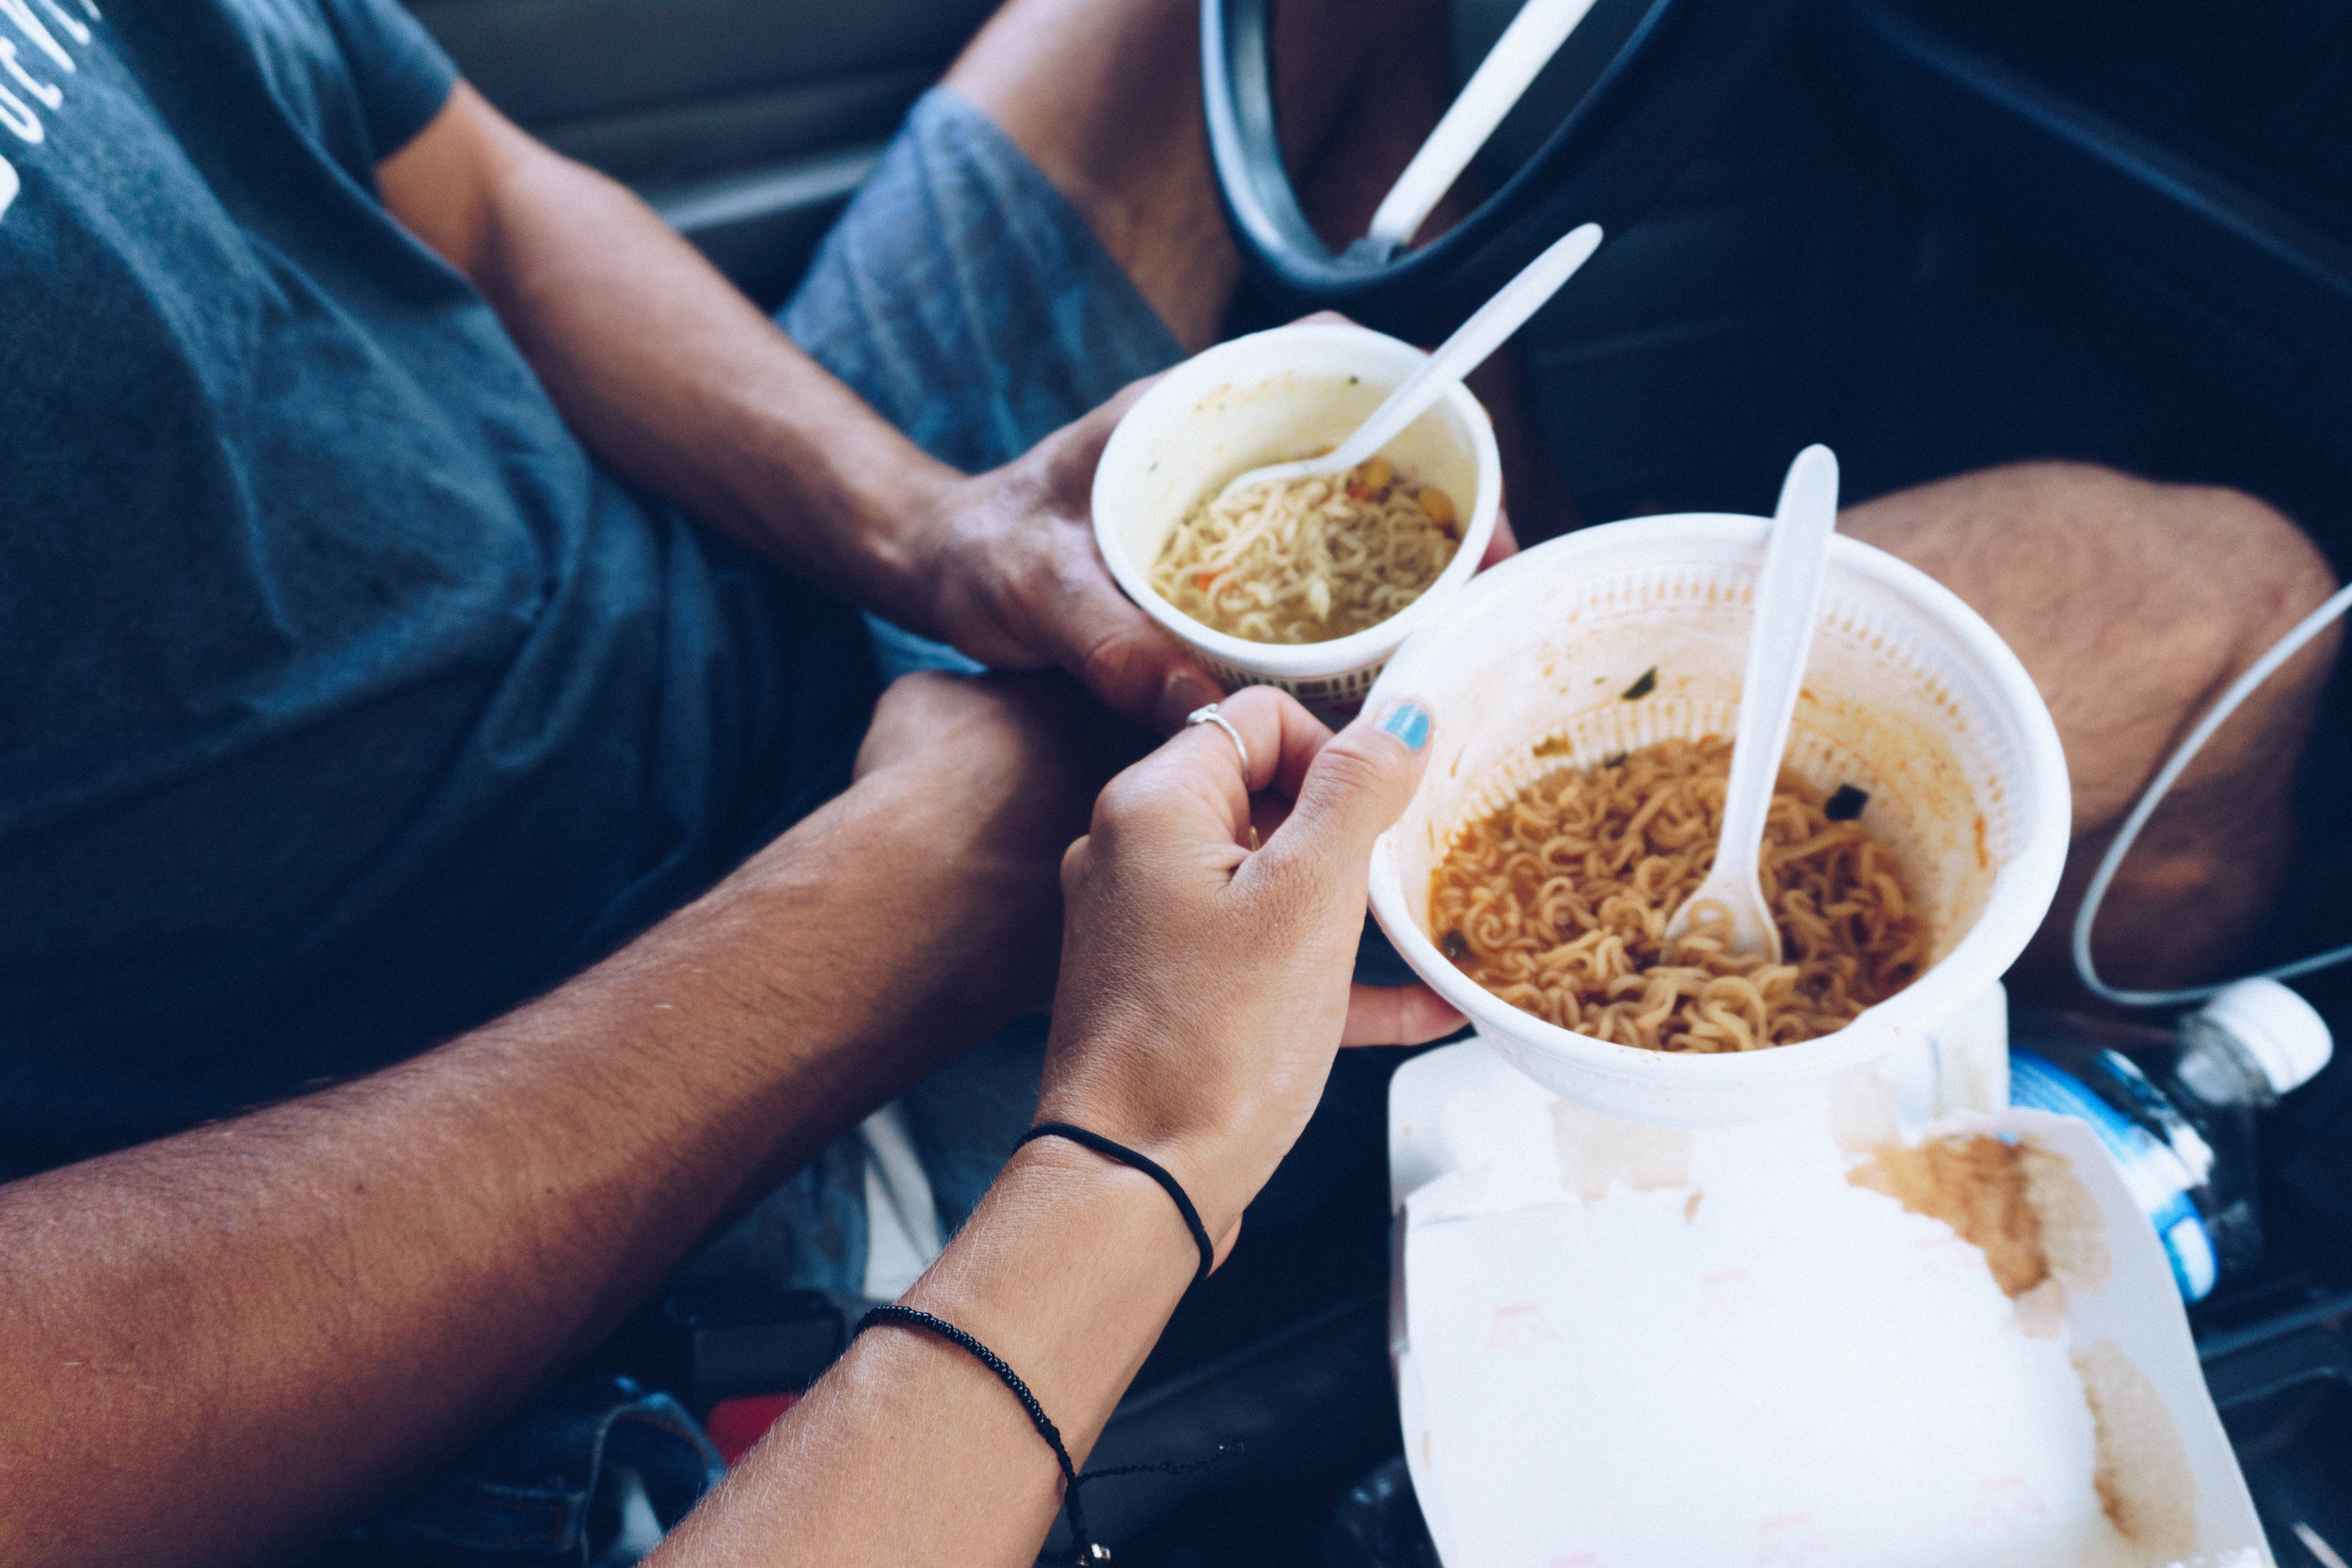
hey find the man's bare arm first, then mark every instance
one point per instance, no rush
(659, 363)
(681, 384)
(220, 1341)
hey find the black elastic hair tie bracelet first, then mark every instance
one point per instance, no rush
(1084, 1550)
(1150, 1167)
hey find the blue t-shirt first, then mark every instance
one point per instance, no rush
(348, 700)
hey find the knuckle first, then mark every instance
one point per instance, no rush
(1349, 767)
(1110, 658)
(1250, 700)
(1133, 796)
(1076, 862)
(915, 688)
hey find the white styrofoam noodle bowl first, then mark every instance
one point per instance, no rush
(1908, 695)
(2285, 1034)
(1269, 397)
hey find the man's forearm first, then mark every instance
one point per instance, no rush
(680, 383)
(214, 1340)
(661, 365)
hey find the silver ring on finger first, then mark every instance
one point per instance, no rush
(1209, 714)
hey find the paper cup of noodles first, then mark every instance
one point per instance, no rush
(1269, 397)
(1615, 638)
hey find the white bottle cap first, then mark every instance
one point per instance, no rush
(2285, 1034)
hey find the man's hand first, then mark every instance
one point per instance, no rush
(1018, 758)
(1010, 574)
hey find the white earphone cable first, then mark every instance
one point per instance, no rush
(2243, 688)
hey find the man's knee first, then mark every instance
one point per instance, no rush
(2286, 574)
(2081, 514)
(2211, 565)
(2130, 601)
(2248, 575)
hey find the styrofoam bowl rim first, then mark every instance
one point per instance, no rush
(1569, 1062)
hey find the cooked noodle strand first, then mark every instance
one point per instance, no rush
(1309, 561)
(1558, 903)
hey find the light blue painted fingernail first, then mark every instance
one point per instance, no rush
(1408, 722)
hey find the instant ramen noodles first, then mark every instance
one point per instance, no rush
(1558, 903)
(1311, 560)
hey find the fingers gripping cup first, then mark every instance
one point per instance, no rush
(1269, 397)
(1616, 637)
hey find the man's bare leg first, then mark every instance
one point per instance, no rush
(2133, 605)
(1103, 96)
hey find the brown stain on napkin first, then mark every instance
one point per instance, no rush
(1977, 1186)
(2146, 1485)
(1597, 1152)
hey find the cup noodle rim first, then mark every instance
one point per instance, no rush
(1699, 1090)
(1253, 360)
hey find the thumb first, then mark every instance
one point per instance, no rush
(1358, 785)
(1080, 447)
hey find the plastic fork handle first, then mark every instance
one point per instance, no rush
(1469, 346)
(1519, 57)
(1787, 602)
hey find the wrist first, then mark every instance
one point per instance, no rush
(1068, 1270)
(897, 535)
(1118, 1201)
(1204, 1247)
(1198, 1158)
(1133, 1241)
(868, 500)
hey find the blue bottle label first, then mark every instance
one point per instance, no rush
(2152, 1173)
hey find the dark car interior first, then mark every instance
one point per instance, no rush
(1938, 235)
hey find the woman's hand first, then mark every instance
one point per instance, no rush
(1204, 985)
(1204, 990)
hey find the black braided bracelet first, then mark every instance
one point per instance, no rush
(1083, 1548)
(1150, 1167)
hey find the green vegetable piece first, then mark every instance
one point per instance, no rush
(1453, 945)
(1846, 804)
(1643, 688)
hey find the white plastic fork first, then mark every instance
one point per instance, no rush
(1788, 601)
(1460, 354)
(1519, 57)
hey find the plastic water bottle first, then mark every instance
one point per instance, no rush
(2176, 1109)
